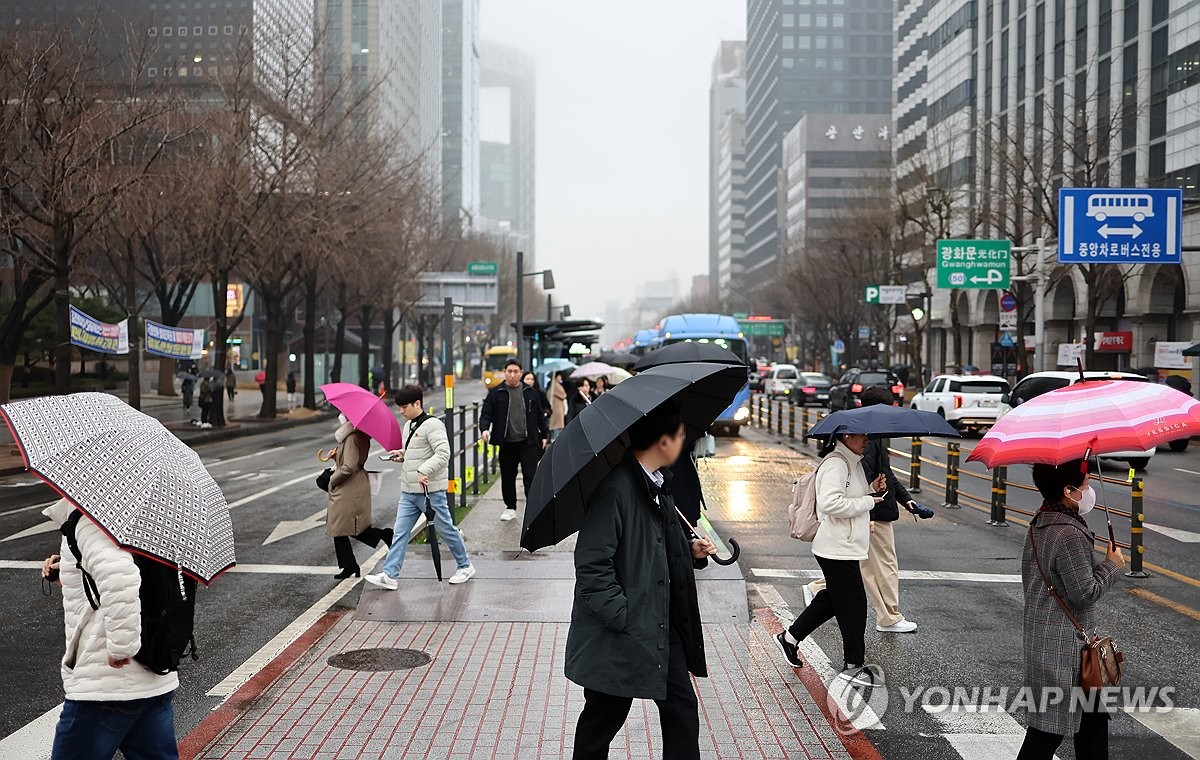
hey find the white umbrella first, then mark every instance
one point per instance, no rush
(138, 482)
(593, 369)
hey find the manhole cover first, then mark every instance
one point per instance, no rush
(376, 660)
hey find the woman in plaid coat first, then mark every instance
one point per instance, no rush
(1051, 643)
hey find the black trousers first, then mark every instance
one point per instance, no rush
(514, 454)
(371, 537)
(204, 412)
(603, 715)
(1091, 742)
(844, 598)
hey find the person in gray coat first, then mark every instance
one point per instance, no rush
(635, 625)
(1051, 643)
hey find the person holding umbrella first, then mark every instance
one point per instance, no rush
(424, 476)
(635, 625)
(348, 511)
(581, 399)
(512, 417)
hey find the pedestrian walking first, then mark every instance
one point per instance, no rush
(880, 570)
(424, 473)
(1058, 555)
(291, 390)
(558, 406)
(187, 388)
(580, 399)
(348, 512)
(635, 626)
(601, 387)
(205, 401)
(230, 383)
(530, 380)
(113, 702)
(844, 503)
(512, 416)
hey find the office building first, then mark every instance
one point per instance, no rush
(460, 112)
(821, 57)
(726, 162)
(507, 134)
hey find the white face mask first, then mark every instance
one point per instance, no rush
(1088, 500)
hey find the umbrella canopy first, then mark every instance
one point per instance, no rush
(686, 351)
(551, 366)
(133, 478)
(366, 411)
(261, 377)
(882, 421)
(593, 443)
(188, 376)
(617, 376)
(1089, 418)
(620, 359)
(212, 374)
(593, 369)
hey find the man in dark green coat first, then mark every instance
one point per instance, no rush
(635, 626)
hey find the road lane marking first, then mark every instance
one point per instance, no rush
(906, 575)
(34, 740)
(37, 530)
(28, 509)
(865, 717)
(1185, 536)
(1189, 472)
(219, 462)
(289, 528)
(1150, 596)
(273, 489)
(1179, 725)
(978, 732)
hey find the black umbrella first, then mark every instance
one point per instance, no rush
(435, 551)
(594, 442)
(212, 374)
(882, 421)
(677, 353)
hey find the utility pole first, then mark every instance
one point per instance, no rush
(1040, 279)
(521, 355)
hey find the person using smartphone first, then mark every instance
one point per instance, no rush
(844, 503)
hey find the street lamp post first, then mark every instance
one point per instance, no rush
(547, 284)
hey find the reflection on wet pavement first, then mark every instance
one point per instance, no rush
(750, 480)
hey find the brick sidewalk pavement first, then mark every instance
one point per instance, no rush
(496, 690)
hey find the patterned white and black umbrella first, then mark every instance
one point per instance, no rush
(143, 486)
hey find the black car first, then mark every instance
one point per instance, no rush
(812, 388)
(847, 391)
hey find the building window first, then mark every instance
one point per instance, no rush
(197, 31)
(183, 31)
(804, 42)
(789, 19)
(228, 30)
(789, 43)
(153, 71)
(822, 19)
(839, 20)
(212, 31)
(789, 63)
(822, 42)
(804, 20)
(168, 31)
(839, 43)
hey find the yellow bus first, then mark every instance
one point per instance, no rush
(494, 360)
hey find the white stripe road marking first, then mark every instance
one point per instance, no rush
(1179, 725)
(28, 509)
(32, 741)
(219, 462)
(37, 530)
(981, 732)
(1186, 536)
(1189, 472)
(273, 489)
(14, 564)
(813, 654)
(905, 575)
(284, 638)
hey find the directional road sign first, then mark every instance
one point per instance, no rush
(979, 264)
(885, 294)
(483, 268)
(1112, 225)
(864, 333)
(839, 346)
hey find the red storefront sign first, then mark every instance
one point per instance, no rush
(1114, 342)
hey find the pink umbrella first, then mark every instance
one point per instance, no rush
(593, 369)
(366, 411)
(1089, 419)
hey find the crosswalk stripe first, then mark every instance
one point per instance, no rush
(979, 733)
(1183, 536)
(1179, 725)
(33, 740)
(905, 575)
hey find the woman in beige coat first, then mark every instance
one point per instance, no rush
(558, 406)
(348, 514)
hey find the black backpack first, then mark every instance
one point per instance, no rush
(168, 607)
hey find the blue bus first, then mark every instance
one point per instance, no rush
(644, 341)
(724, 331)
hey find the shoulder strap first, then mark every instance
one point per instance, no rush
(90, 589)
(1067, 610)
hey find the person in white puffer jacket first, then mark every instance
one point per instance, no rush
(112, 702)
(844, 503)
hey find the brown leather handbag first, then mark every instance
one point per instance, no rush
(1101, 663)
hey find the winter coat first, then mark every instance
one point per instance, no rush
(115, 629)
(1051, 643)
(630, 555)
(494, 414)
(875, 460)
(576, 404)
(558, 406)
(349, 509)
(230, 380)
(843, 507)
(205, 392)
(426, 452)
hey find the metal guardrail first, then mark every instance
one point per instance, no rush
(485, 458)
(769, 413)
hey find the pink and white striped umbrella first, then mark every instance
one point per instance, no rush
(1089, 419)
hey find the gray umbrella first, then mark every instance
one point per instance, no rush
(213, 374)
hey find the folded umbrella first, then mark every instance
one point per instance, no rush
(686, 351)
(366, 411)
(593, 369)
(882, 421)
(435, 551)
(594, 442)
(1089, 418)
(139, 483)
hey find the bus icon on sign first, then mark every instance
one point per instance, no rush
(958, 278)
(1101, 206)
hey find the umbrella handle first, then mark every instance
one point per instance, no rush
(735, 549)
(323, 457)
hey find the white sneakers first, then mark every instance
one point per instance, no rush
(508, 514)
(382, 580)
(904, 626)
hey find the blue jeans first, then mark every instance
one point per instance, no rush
(143, 729)
(410, 509)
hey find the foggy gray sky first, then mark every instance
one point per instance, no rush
(622, 136)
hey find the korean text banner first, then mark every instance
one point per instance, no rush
(90, 333)
(173, 342)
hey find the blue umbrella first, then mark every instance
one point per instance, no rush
(555, 365)
(882, 421)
